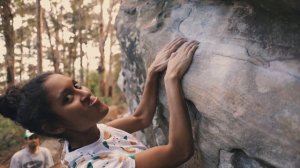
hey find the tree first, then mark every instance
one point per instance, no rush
(8, 31)
(20, 38)
(53, 55)
(102, 39)
(109, 78)
(39, 37)
(73, 19)
(24, 36)
(103, 34)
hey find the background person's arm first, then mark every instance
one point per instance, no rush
(145, 111)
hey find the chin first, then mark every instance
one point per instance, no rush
(32, 145)
(104, 109)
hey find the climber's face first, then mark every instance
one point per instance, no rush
(76, 106)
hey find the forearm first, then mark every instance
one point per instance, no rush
(180, 146)
(143, 115)
(147, 107)
(180, 132)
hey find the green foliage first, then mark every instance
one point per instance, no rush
(11, 140)
(93, 85)
(10, 134)
(118, 96)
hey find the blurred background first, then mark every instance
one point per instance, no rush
(75, 37)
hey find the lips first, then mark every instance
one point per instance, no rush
(93, 100)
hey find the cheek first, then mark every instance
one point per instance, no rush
(69, 112)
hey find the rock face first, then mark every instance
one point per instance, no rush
(243, 87)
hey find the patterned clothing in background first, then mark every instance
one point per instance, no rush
(114, 149)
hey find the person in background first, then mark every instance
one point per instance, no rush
(58, 106)
(33, 155)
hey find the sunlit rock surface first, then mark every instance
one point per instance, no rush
(243, 87)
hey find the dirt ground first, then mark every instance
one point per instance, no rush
(55, 146)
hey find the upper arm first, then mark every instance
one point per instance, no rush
(129, 124)
(160, 157)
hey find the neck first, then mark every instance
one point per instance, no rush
(83, 138)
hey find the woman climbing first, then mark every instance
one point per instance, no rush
(57, 106)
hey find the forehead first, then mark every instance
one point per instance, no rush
(56, 83)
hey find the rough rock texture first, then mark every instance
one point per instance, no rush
(243, 87)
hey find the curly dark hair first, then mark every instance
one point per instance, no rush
(29, 105)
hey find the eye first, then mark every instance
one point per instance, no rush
(76, 84)
(68, 98)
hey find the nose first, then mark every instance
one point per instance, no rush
(85, 95)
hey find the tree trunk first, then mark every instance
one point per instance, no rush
(57, 43)
(102, 39)
(110, 76)
(73, 56)
(8, 30)
(39, 37)
(81, 56)
(56, 31)
(103, 33)
(110, 30)
(22, 52)
(87, 71)
(52, 51)
(21, 45)
(68, 61)
(60, 41)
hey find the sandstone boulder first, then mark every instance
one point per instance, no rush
(243, 87)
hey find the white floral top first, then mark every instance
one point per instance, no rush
(114, 149)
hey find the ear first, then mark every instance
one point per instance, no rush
(53, 129)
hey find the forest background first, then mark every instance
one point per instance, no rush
(73, 37)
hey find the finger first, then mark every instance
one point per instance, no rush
(190, 45)
(176, 42)
(173, 41)
(190, 54)
(182, 47)
(185, 46)
(192, 51)
(179, 39)
(176, 45)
